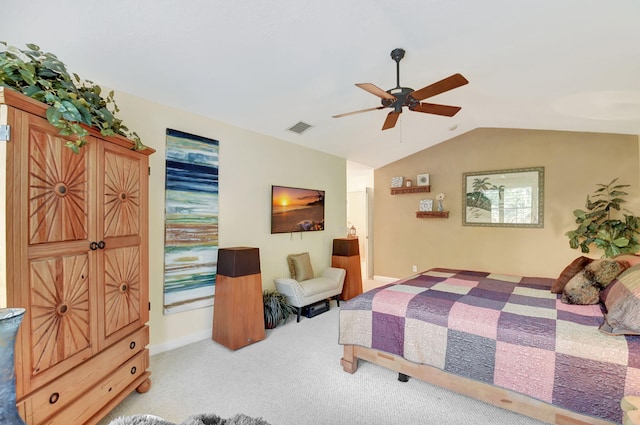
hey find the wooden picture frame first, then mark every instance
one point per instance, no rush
(504, 198)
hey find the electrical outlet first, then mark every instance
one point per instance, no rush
(414, 268)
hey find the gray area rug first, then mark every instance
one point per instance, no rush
(193, 420)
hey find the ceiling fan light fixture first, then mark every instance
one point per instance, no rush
(300, 127)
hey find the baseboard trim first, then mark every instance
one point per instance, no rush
(179, 342)
(385, 278)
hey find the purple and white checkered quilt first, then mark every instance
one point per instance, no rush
(507, 331)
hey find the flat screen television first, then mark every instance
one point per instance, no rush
(295, 209)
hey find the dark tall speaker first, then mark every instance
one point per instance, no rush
(346, 255)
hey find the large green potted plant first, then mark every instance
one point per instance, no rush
(276, 308)
(601, 225)
(72, 101)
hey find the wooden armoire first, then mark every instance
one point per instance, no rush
(74, 254)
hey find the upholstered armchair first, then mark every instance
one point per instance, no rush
(303, 288)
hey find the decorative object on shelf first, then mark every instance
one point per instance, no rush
(597, 226)
(408, 183)
(426, 205)
(10, 319)
(423, 180)
(352, 232)
(42, 76)
(397, 181)
(504, 198)
(276, 308)
(440, 197)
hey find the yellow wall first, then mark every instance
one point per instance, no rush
(574, 163)
(249, 164)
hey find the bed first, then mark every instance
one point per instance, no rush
(503, 339)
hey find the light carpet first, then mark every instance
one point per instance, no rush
(294, 377)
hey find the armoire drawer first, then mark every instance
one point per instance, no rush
(95, 398)
(78, 382)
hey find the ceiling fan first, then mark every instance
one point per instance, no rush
(398, 97)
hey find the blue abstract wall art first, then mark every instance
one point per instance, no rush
(191, 221)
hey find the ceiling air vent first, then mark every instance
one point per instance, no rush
(300, 127)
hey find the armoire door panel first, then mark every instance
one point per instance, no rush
(122, 292)
(58, 201)
(121, 194)
(61, 309)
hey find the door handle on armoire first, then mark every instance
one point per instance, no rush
(95, 245)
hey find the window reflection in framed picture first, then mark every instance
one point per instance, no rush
(504, 198)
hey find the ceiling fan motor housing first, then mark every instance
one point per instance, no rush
(402, 96)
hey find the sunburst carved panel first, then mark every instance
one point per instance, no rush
(57, 190)
(121, 195)
(122, 288)
(60, 309)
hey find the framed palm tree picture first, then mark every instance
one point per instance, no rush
(504, 198)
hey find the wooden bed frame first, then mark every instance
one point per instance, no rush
(500, 397)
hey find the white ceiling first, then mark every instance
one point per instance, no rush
(265, 65)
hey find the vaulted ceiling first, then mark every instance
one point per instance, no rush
(267, 65)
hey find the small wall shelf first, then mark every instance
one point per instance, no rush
(410, 189)
(432, 214)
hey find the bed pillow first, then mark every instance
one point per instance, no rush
(602, 272)
(584, 288)
(632, 259)
(570, 271)
(300, 266)
(580, 289)
(622, 301)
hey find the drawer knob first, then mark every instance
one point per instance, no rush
(133, 370)
(54, 398)
(132, 345)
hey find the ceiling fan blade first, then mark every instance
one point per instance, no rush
(376, 91)
(433, 108)
(357, 112)
(449, 83)
(392, 118)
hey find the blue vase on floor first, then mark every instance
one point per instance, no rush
(10, 319)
